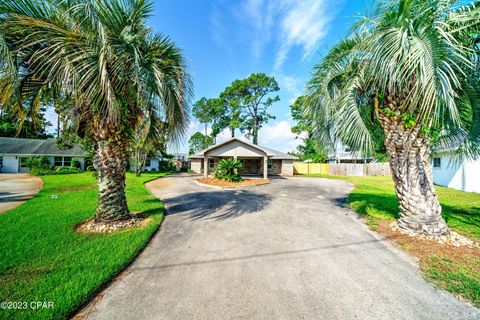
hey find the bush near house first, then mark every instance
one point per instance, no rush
(42, 258)
(228, 170)
(40, 166)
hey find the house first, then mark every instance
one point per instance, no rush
(460, 174)
(256, 160)
(343, 154)
(15, 151)
(159, 162)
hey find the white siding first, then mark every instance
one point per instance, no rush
(10, 164)
(235, 148)
(460, 175)
(287, 167)
(196, 165)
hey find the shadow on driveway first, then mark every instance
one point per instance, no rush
(218, 205)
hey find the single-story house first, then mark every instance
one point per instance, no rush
(257, 160)
(153, 163)
(343, 154)
(460, 174)
(14, 152)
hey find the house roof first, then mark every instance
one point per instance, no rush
(36, 147)
(271, 153)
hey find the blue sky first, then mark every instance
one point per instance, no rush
(224, 40)
(227, 40)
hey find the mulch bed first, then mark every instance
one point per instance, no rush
(226, 184)
(423, 248)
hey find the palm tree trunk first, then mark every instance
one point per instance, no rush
(110, 162)
(409, 155)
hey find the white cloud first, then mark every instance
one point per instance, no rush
(304, 24)
(283, 24)
(260, 15)
(292, 85)
(279, 136)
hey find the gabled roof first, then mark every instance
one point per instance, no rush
(36, 147)
(272, 154)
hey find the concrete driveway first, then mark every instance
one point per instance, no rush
(287, 250)
(15, 189)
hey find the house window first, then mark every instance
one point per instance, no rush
(148, 162)
(269, 163)
(58, 161)
(1, 162)
(437, 162)
(67, 161)
(211, 163)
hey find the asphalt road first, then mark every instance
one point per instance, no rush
(286, 250)
(15, 189)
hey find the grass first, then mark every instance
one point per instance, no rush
(42, 258)
(454, 269)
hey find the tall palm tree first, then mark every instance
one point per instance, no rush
(102, 54)
(405, 66)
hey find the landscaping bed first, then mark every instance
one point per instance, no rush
(42, 258)
(455, 269)
(226, 184)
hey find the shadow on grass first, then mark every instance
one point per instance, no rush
(218, 205)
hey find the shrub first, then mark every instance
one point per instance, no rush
(76, 163)
(167, 165)
(67, 170)
(53, 171)
(38, 162)
(228, 170)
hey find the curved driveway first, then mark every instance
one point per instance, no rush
(15, 189)
(286, 250)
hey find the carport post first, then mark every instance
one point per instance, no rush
(265, 167)
(205, 166)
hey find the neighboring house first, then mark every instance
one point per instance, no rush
(343, 154)
(457, 174)
(14, 152)
(153, 163)
(256, 160)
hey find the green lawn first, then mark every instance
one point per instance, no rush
(456, 270)
(43, 259)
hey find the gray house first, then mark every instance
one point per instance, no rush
(14, 152)
(257, 160)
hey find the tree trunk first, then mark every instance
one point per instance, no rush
(110, 162)
(232, 130)
(255, 129)
(409, 155)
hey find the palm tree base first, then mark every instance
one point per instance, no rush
(96, 225)
(431, 228)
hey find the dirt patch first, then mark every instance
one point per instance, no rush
(226, 184)
(74, 188)
(424, 248)
(159, 183)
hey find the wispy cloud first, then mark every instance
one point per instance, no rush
(304, 24)
(282, 24)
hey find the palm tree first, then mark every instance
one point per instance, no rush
(102, 54)
(405, 66)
